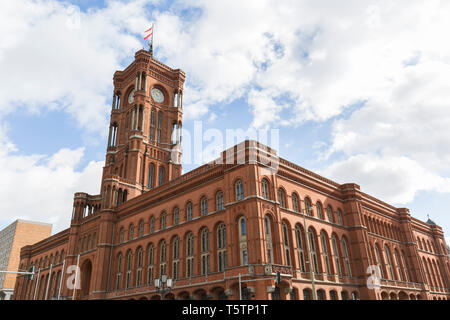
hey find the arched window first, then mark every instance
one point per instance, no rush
(337, 261)
(204, 206)
(324, 240)
(119, 271)
(161, 175)
(319, 210)
(308, 207)
(346, 257)
(58, 281)
(163, 220)
(321, 295)
(243, 253)
(159, 130)
(141, 229)
(131, 235)
(379, 262)
(151, 261)
(113, 134)
(333, 295)
(339, 215)
(176, 216)
(221, 247)
(152, 224)
(116, 101)
(243, 229)
(265, 189)
(432, 275)
(300, 250)
(268, 230)
(330, 214)
(151, 174)
(205, 251)
(219, 201)
(239, 188)
(189, 211)
(281, 198)
(286, 244)
(312, 245)
(427, 272)
(129, 268)
(405, 267)
(397, 265)
(344, 295)
(295, 205)
(190, 255)
(152, 125)
(389, 264)
(306, 294)
(438, 272)
(140, 254)
(175, 257)
(162, 258)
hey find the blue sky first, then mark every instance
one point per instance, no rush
(358, 91)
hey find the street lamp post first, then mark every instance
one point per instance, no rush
(164, 285)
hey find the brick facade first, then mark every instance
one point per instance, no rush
(225, 220)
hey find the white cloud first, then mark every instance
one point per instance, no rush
(322, 55)
(296, 61)
(41, 188)
(403, 136)
(53, 56)
(393, 179)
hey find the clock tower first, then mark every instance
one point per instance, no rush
(145, 130)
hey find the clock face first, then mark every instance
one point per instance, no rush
(157, 95)
(131, 97)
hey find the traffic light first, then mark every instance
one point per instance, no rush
(31, 275)
(278, 278)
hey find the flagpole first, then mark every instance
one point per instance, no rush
(153, 34)
(150, 41)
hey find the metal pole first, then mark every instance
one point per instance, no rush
(311, 268)
(48, 281)
(37, 284)
(16, 272)
(23, 288)
(153, 34)
(61, 280)
(162, 288)
(76, 278)
(240, 288)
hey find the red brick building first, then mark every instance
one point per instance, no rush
(224, 221)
